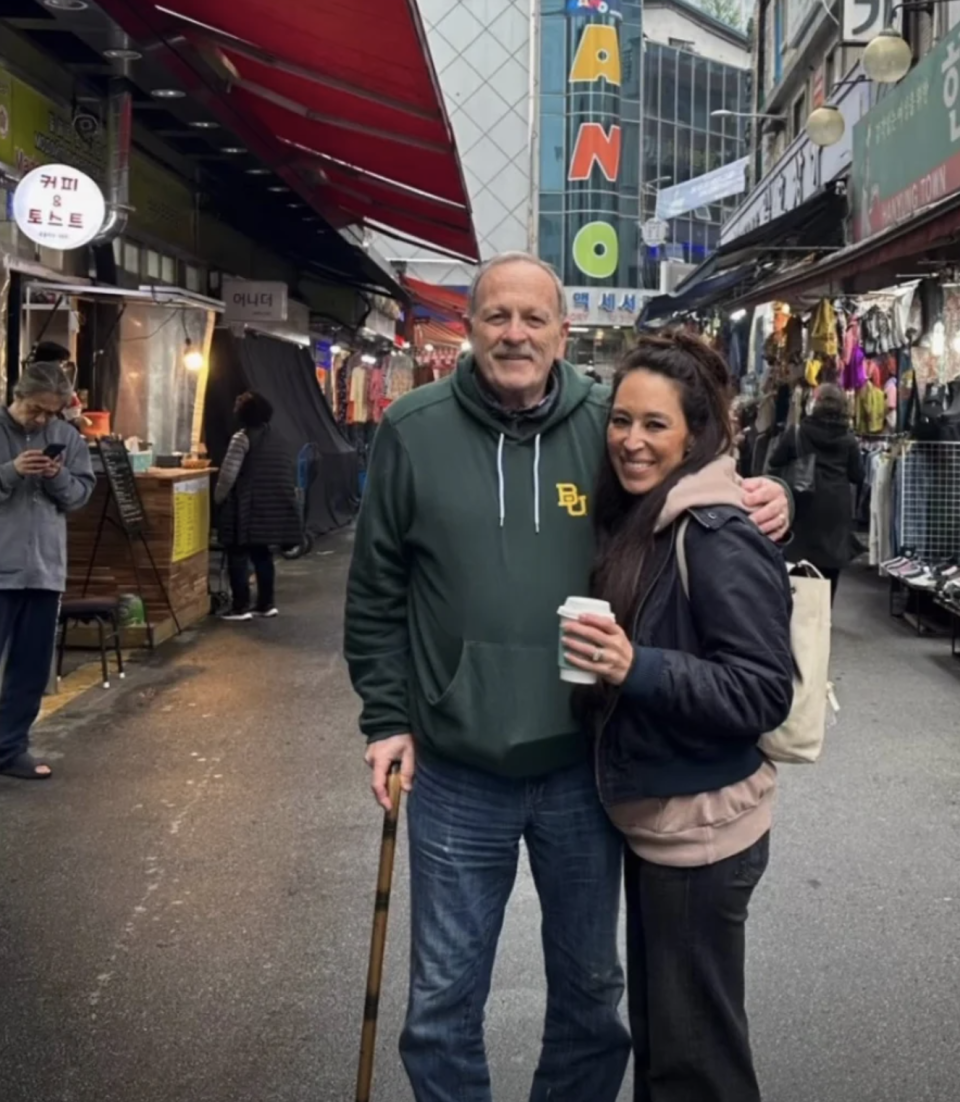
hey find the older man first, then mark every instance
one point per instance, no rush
(475, 527)
(45, 473)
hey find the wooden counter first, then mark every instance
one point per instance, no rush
(177, 508)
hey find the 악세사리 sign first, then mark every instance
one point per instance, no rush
(906, 150)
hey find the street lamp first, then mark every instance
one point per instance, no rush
(887, 58)
(825, 125)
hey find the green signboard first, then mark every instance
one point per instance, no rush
(36, 131)
(906, 151)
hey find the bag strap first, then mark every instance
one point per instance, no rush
(681, 546)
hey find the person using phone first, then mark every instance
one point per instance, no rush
(45, 473)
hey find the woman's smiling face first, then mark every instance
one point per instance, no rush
(647, 435)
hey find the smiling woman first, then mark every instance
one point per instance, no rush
(701, 670)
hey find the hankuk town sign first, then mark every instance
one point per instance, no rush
(906, 150)
(596, 246)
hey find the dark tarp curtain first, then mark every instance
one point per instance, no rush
(285, 375)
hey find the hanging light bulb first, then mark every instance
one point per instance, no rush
(192, 357)
(938, 339)
(887, 58)
(825, 126)
(335, 349)
(466, 346)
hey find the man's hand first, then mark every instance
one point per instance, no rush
(380, 756)
(54, 468)
(767, 504)
(34, 462)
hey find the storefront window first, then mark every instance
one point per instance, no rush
(153, 264)
(192, 278)
(131, 258)
(168, 270)
(157, 392)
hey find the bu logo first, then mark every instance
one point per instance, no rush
(571, 499)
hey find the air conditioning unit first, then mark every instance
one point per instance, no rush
(672, 274)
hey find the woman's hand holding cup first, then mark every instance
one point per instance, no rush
(599, 646)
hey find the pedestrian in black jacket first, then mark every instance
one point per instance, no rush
(256, 492)
(823, 522)
(690, 686)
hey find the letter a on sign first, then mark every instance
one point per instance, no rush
(598, 55)
(595, 146)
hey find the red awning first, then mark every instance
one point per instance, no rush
(341, 99)
(444, 303)
(437, 332)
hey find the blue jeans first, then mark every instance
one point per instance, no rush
(465, 828)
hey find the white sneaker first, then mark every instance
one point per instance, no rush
(236, 617)
(268, 614)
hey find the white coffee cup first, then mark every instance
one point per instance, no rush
(572, 609)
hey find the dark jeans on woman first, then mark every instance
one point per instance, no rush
(28, 629)
(238, 564)
(465, 828)
(686, 955)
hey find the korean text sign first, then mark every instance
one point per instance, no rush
(59, 207)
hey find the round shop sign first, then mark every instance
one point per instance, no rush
(59, 207)
(654, 231)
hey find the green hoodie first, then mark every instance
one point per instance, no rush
(473, 531)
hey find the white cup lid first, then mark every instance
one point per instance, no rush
(577, 606)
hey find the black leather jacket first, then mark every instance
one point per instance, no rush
(712, 673)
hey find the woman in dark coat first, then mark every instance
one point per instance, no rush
(257, 493)
(823, 524)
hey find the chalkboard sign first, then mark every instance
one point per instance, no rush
(123, 486)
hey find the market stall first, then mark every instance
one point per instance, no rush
(142, 364)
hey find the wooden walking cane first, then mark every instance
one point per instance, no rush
(381, 910)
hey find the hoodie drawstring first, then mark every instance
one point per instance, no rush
(501, 484)
(536, 483)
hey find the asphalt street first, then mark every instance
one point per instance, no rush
(185, 909)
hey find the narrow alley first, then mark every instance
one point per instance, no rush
(185, 910)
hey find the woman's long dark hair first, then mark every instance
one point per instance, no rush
(625, 522)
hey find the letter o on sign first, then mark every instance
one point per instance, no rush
(596, 250)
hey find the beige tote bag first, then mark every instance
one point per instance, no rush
(799, 740)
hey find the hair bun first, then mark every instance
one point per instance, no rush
(707, 359)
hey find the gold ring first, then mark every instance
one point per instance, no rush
(597, 655)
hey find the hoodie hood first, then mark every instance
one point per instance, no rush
(825, 433)
(716, 484)
(572, 390)
(567, 391)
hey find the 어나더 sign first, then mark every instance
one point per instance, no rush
(906, 151)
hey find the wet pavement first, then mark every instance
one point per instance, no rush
(185, 910)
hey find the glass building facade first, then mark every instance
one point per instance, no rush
(616, 122)
(683, 140)
(589, 140)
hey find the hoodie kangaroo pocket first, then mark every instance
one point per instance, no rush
(501, 699)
